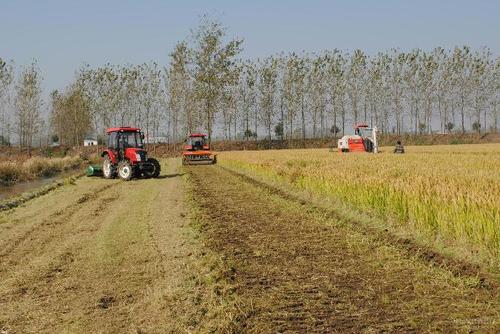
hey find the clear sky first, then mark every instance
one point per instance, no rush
(63, 34)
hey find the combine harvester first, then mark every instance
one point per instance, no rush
(363, 140)
(125, 156)
(197, 151)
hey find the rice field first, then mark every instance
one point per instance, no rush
(449, 194)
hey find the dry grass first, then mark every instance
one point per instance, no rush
(448, 193)
(35, 167)
(99, 256)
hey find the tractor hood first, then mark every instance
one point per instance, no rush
(135, 154)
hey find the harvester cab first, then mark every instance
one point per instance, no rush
(363, 140)
(125, 155)
(197, 150)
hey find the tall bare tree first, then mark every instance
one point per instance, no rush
(267, 88)
(28, 104)
(214, 67)
(178, 90)
(6, 79)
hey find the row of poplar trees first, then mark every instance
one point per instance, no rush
(208, 87)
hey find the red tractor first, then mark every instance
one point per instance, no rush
(126, 157)
(197, 150)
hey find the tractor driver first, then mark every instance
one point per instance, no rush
(198, 144)
(399, 149)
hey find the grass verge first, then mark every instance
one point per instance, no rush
(35, 167)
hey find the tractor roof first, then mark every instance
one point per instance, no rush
(362, 125)
(193, 135)
(123, 129)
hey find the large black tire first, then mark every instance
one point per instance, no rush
(125, 171)
(157, 168)
(108, 171)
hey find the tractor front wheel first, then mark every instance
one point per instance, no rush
(157, 168)
(107, 168)
(125, 171)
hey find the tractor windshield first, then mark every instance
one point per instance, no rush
(196, 143)
(131, 139)
(364, 132)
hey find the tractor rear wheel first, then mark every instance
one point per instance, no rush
(157, 168)
(125, 171)
(107, 168)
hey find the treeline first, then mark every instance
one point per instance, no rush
(206, 86)
(318, 95)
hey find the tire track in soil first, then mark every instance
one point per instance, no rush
(294, 273)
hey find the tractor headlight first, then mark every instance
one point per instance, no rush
(138, 156)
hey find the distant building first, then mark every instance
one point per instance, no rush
(89, 142)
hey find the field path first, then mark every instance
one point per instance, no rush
(295, 270)
(98, 256)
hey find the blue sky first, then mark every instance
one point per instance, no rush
(62, 35)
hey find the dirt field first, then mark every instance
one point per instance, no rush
(204, 249)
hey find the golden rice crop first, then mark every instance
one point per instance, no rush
(448, 192)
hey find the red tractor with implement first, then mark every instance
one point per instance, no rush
(126, 157)
(197, 150)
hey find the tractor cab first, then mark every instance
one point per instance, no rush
(125, 141)
(197, 150)
(196, 142)
(125, 155)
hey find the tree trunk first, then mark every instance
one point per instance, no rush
(485, 121)
(462, 111)
(303, 121)
(269, 131)
(343, 118)
(282, 119)
(495, 117)
(209, 125)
